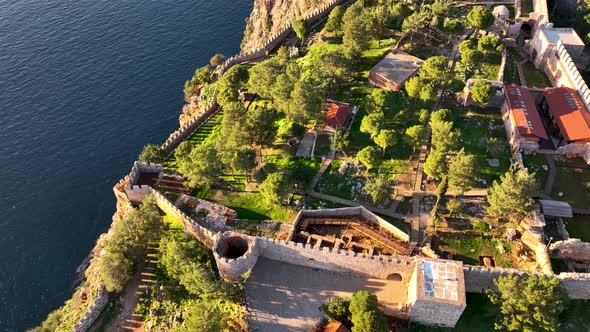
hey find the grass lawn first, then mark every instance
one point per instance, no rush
(323, 145)
(252, 206)
(535, 78)
(579, 228)
(574, 183)
(537, 164)
(206, 132)
(468, 249)
(477, 127)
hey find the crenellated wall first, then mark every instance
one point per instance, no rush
(137, 193)
(336, 260)
(94, 310)
(190, 225)
(232, 269)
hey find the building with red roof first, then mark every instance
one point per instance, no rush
(522, 120)
(568, 114)
(338, 116)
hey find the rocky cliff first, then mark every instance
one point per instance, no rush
(268, 17)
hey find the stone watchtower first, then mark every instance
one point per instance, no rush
(436, 293)
(235, 254)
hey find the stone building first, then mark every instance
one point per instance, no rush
(545, 42)
(569, 123)
(522, 121)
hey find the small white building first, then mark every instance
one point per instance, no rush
(546, 39)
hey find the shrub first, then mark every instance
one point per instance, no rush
(337, 308)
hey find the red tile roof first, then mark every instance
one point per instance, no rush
(337, 115)
(524, 111)
(335, 326)
(569, 112)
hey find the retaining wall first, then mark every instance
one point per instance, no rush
(478, 279)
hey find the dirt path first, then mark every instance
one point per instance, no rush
(128, 319)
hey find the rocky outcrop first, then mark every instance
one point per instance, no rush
(269, 17)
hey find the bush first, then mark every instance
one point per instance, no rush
(337, 308)
(482, 226)
(152, 153)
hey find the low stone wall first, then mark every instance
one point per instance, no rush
(348, 212)
(93, 312)
(336, 260)
(190, 225)
(478, 279)
(570, 249)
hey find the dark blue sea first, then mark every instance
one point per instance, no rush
(83, 86)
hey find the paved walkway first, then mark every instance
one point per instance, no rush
(285, 297)
(551, 176)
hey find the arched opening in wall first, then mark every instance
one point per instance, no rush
(233, 247)
(395, 277)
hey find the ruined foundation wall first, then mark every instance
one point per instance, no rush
(347, 212)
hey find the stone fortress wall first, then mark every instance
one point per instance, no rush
(137, 193)
(94, 310)
(348, 211)
(479, 278)
(184, 131)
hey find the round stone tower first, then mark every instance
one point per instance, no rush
(235, 254)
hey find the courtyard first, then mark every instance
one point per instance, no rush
(284, 297)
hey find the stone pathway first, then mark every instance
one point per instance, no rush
(551, 176)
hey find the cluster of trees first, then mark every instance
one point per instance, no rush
(473, 50)
(202, 77)
(380, 105)
(432, 75)
(533, 303)
(211, 304)
(361, 311)
(127, 244)
(459, 173)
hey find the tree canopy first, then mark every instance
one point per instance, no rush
(275, 188)
(369, 156)
(379, 188)
(511, 197)
(386, 139)
(490, 44)
(152, 153)
(365, 313)
(201, 166)
(334, 23)
(371, 124)
(462, 172)
(531, 303)
(301, 29)
(482, 91)
(414, 136)
(480, 18)
(436, 164)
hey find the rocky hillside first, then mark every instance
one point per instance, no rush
(270, 16)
